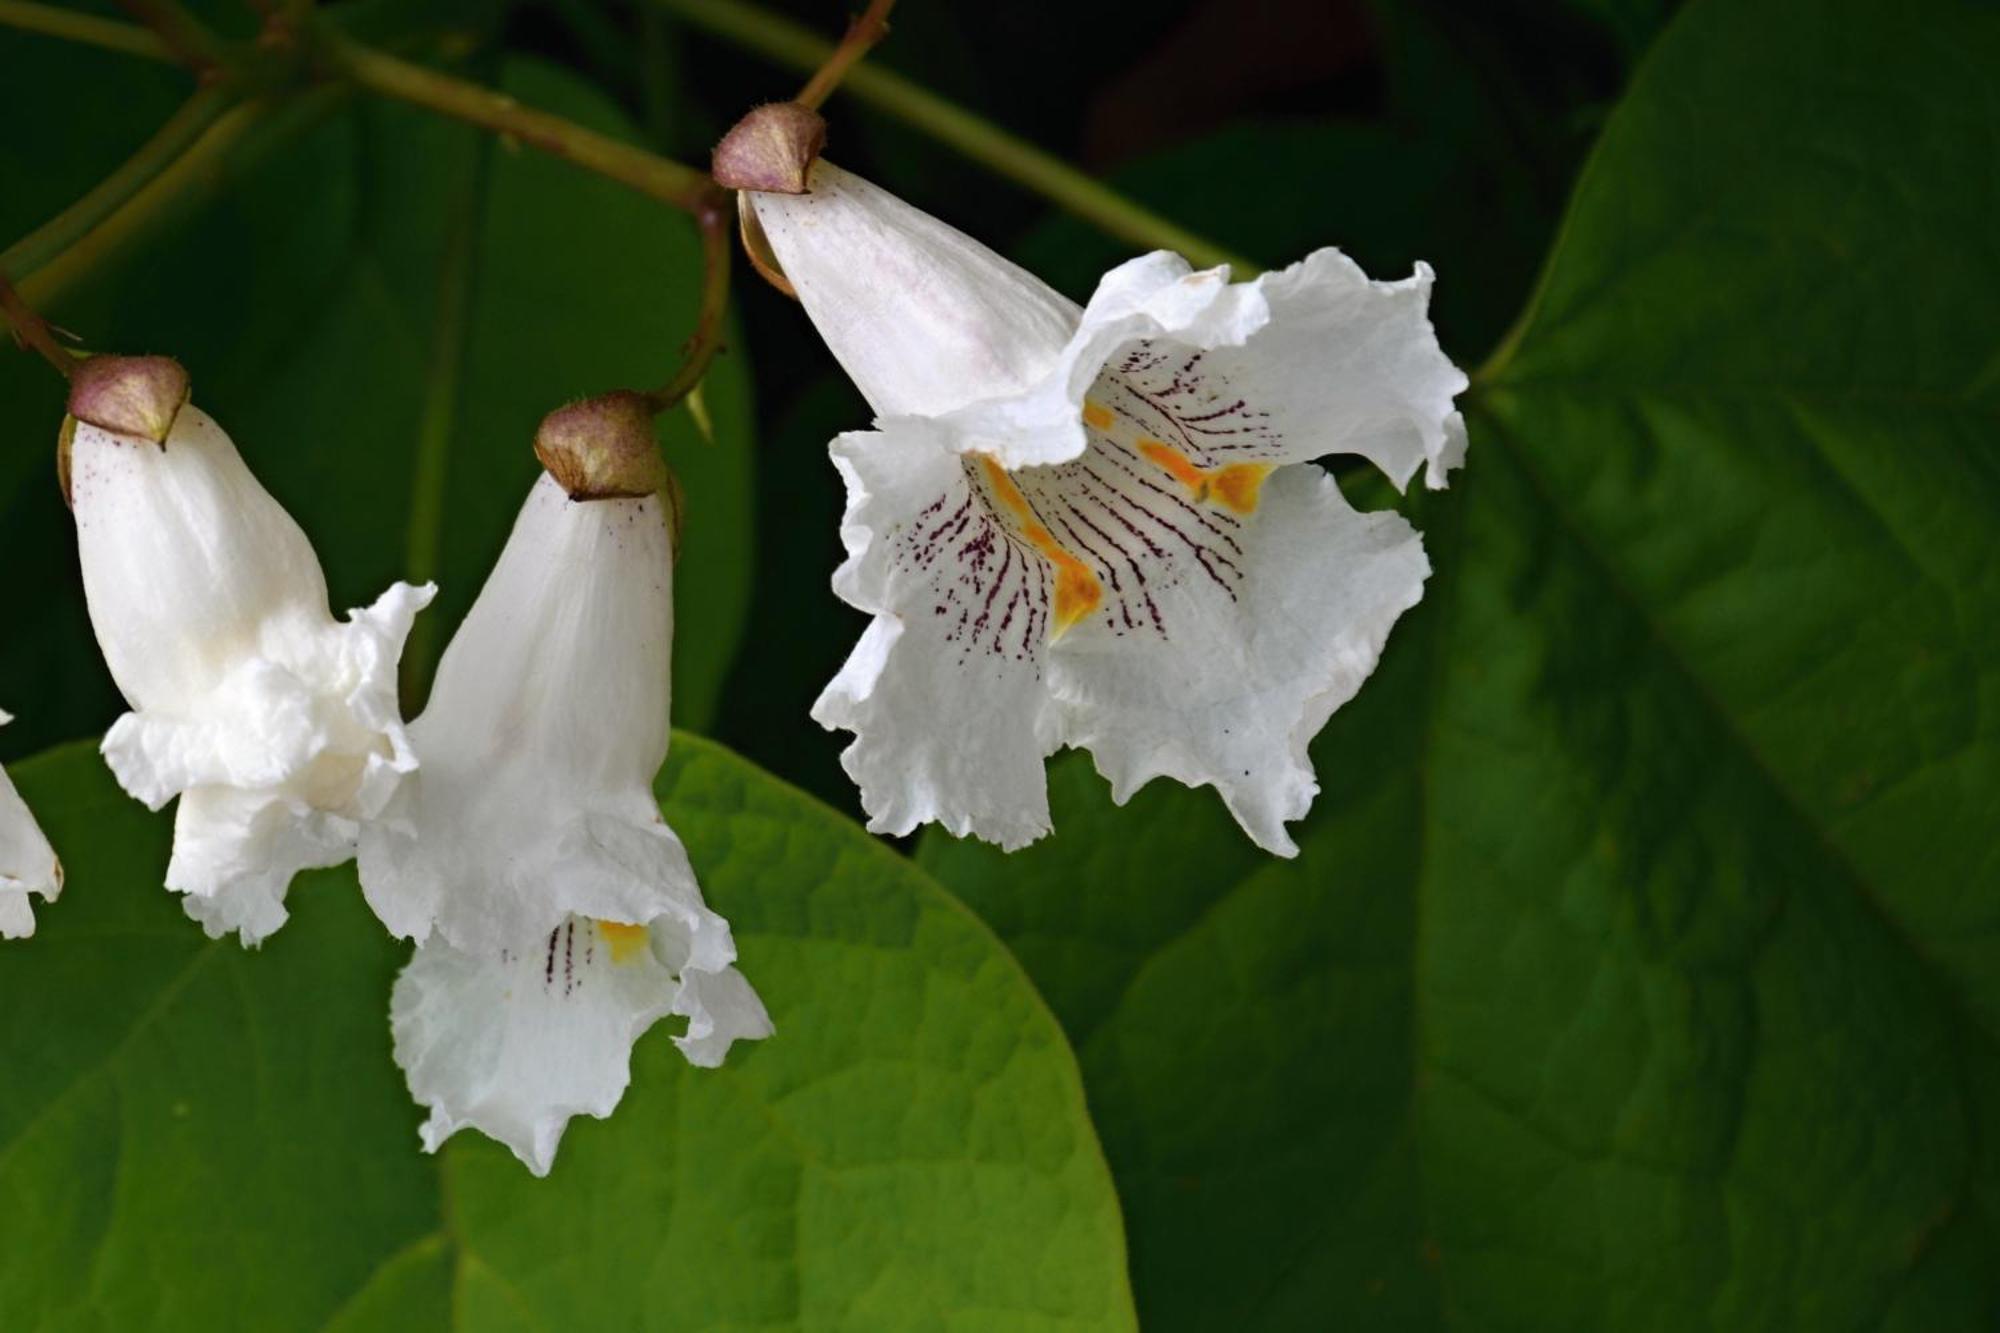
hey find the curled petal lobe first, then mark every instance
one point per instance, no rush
(1107, 528)
(236, 851)
(276, 724)
(721, 1009)
(28, 864)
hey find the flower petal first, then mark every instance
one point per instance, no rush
(236, 851)
(316, 719)
(27, 863)
(277, 725)
(555, 912)
(721, 1010)
(1311, 360)
(546, 725)
(922, 317)
(1317, 358)
(944, 691)
(1196, 597)
(189, 565)
(275, 771)
(514, 1043)
(17, 915)
(1239, 657)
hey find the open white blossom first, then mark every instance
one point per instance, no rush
(1104, 527)
(27, 863)
(275, 724)
(556, 914)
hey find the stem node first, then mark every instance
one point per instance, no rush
(32, 331)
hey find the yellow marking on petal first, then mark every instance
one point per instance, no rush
(1237, 485)
(625, 941)
(1178, 464)
(1077, 588)
(1233, 487)
(1003, 486)
(1097, 416)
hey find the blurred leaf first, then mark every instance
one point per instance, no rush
(63, 143)
(198, 1137)
(1642, 967)
(389, 275)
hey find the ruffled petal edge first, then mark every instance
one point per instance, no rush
(1159, 295)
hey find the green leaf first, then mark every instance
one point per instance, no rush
(192, 1135)
(1640, 967)
(386, 289)
(1245, 1025)
(1760, 388)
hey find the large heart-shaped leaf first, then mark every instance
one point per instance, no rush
(195, 1136)
(384, 297)
(1640, 970)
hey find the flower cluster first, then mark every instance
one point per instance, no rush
(510, 830)
(1104, 527)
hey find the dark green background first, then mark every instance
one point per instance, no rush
(1641, 969)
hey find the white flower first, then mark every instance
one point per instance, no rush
(276, 725)
(556, 914)
(1103, 528)
(27, 863)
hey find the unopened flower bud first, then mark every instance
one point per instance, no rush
(129, 395)
(771, 150)
(603, 448)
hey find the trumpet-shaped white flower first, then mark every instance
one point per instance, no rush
(556, 914)
(1104, 527)
(27, 863)
(275, 724)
